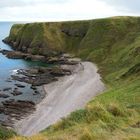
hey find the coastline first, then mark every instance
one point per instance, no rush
(62, 97)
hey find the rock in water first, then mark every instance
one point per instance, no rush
(16, 92)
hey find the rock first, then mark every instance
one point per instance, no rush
(16, 92)
(35, 58)
(66, 55)
(52, 60)
(8, 81)
(15, 110)
(7, 41)
(57, 72)
(33, 87)
(73, 32)
(22, 55)
(16, 55)
(34, 71)
(38, 58)
(36, 92)
(7, 89)
(2, 95)
(4, 52)
(40, 76)
(67, 60)
(19, 85)
(42, 80)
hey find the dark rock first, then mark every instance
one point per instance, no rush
(22, 55)
(8, 81)
(16, 110)
(16, 92)
(33, 87)
(35, 57)
(77, 32)
(4, 52)
(7, 89)
(52, 60)
(2, 95)
(36, 92)
(57, 72)
(40, 76)
(16, 55)
(19, 85)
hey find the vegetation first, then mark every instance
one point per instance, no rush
(114, 45)
(6, 133)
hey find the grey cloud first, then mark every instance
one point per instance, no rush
(130, 5)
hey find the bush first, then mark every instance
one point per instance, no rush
(6, 133)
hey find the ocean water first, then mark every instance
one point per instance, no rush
(9, 67)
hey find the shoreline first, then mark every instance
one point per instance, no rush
(62, 98)
(26, 88)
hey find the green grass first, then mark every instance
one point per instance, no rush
(110, 115)
(114, 45)
(5, 134)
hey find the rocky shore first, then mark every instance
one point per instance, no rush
(55, 59)
(15, 109)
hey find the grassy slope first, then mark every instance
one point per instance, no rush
(113, 44)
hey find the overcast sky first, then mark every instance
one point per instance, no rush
(58, 10)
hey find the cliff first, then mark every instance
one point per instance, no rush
(94, 40)
(114, 45)
(46, 38)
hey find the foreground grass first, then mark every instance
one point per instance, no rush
(113, 115)
(5, 134)
(113, 44)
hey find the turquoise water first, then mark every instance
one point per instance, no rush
(7, 67)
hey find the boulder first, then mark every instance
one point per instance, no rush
(20, 86)
(16, 55)
(15, 110)
(2, 95)
(7, 89)
(16, 92)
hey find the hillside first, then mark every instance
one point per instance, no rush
(114, 45)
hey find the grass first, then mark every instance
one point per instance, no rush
(6, 133)
(113, 44)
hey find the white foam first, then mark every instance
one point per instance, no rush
(14, 72)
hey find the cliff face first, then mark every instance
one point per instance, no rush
(98, 40)
(44, 38)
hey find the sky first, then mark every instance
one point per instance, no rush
(63, 10)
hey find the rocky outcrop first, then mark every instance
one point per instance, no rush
(2, 95)
(20, 85)
(40, 76)
(21, 55)
(15, 110)
(16, 92)
(55, 59)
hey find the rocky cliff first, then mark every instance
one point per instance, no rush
(95, 40)
(46, 38)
